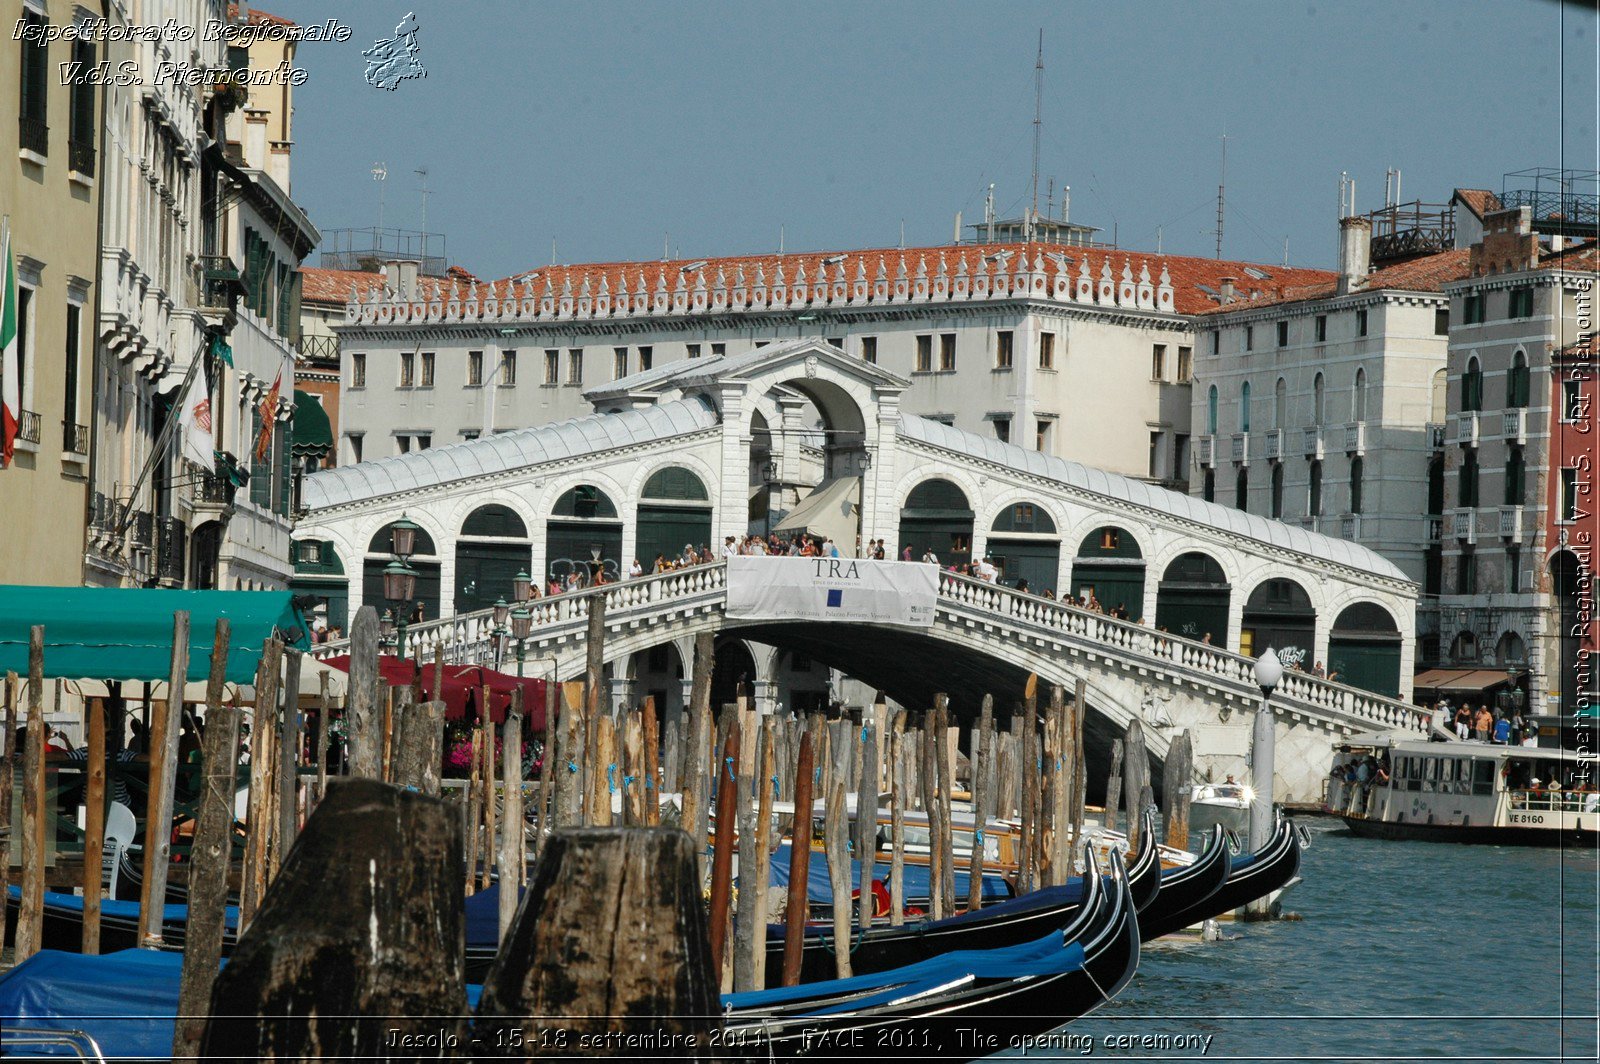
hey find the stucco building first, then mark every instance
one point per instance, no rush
(50, 195)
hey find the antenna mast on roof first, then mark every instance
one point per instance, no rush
(1221, 186)
(379, 173)
(988, 215)
(1038, 103)
(423, 174)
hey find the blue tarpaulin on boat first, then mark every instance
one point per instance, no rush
(819, 887)
(123, 910)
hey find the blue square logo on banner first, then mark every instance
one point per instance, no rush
(835, 597)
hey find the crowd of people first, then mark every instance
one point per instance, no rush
(1485, 725)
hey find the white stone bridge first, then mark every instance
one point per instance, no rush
(985, 639)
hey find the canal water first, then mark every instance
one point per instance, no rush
(1403, 951)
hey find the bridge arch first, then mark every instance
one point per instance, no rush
(673, 507)
(1365, 648)
(584, 521)
(937, 513)
(1193, 598)
(1024, 539)
(1110, 565)
(491, 548)
(1279, 613)
(426, 561)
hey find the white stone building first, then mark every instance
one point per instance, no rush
(1079, 352)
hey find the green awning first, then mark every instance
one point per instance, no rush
(313, 433)
(94, 633)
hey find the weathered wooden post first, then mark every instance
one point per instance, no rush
(1137, 769)
(795, 912)
(944, 841)
(1114, 786)
(633, 771)
(550, 764)
(867, 818)
(594, 678)
(982, 747)
(94, 824)
(324, 709)
(834, 833)
(165, 729)
(513, 865)
(363, 715)
(722, 857)
(356, 949)
(288, 772)
(898, 795)
(1080, 773)
(489, 804)
(253, 881)
(1178, 771)
(598, 895)
(604, 765)
(696, 773)
(30, 914)
(760, 869)
(1029, 769)
(650, 727)
(213, 848)
(930, 809)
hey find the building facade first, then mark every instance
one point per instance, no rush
(1512, 509)
(50, 192)
(1026, 343)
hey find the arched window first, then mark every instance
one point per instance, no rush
(1319, 403)
(1277, 490)
(1472, 385)
(1280, 405)
(1357, 468)
(1314, 496)
(1241, 489)
(1517, 383)
(1467, 480)
(1211, 410)
(1441, 403)
(1208, 487)
(1359, 404)
(1244, 407)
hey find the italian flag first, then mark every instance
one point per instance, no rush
(10, 375)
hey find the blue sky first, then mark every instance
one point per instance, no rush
(610, 127)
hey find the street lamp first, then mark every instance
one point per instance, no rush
(521, 627)
(1269, 671)
(861, 504)
(522, 586)
(403, 535)
(501, 612)
(399, 584)
(769, 476)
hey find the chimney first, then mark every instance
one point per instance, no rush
(1355, 252)
(1227, 290)
(408, 278)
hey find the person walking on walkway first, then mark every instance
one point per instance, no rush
(1482, 723)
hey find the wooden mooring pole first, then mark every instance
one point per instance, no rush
(30, 915)
(795, 912)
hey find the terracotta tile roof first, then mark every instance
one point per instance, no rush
(1479, 201)
(318, 285)
(1585, 350)
(1577, 257)
(257, 16)
(1428, 273)
(1186, 274)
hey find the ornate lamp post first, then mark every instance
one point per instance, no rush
(399, 584)
(769, 476)
(1269, 671)
(521, 587)
(502, 611)
(521, 627)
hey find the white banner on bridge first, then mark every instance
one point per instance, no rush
(762, 588)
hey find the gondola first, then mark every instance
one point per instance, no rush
(1016, 920)
(970, 1002)
(1254, 876)
(126, 1000)
(119, 923)
(1185, 889)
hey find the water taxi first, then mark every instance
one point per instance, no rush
(1395, 786)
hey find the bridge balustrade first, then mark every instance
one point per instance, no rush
(467, 638)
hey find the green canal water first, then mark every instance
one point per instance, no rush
(1403, 951)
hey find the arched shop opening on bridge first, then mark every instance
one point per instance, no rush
(674, 510)
(659, 673)
(1192, 599)
(492, 549)
(1278, 614)
(938, 517)
(320, 579)
(735, 665)
(424, 560)
(583, 535)
(1110, 567)
(1023, 542)
(1364, 649)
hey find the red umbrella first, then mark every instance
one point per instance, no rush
(462, 687)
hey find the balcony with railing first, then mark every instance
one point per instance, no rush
(1511, 523)
(1516, 426)
(1205, 450)
(1435, 529)
(171, 539)
(1435, 437)
(1273, 445)
(1355, 438)
(319, 348)
(30, 427)
(1462, 525)
(1241, 448)
(74, 438)
(220, 285)
(80, 157)
(1350, 526)
(1313, 443)
(33, 135)
(1464, 429)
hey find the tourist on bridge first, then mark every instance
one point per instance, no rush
(635, 569)
(1463, 719)
(929, 557)
(1482, 723)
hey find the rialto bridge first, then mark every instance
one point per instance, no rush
(697, 451)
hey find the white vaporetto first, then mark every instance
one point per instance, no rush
(832, 589)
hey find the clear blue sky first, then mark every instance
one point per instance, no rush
(606, 125)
